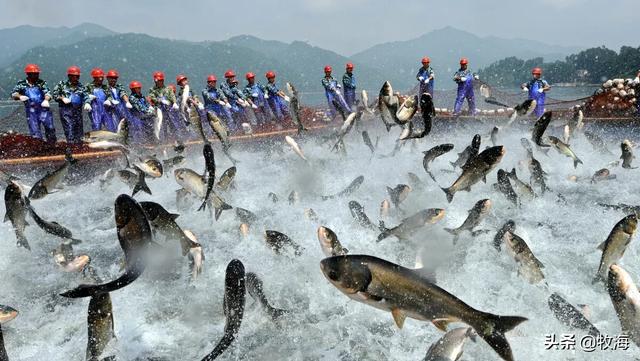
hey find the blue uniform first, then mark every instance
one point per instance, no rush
(424, 80)
(233, 95)
(172, 126)
(117, 110)
(141, 118)
(465, 91)
(349, 85)
(99, 116)
(332, 92)
(256, 93)
(71, 114)
(276, 102)
(36, 114)
(211, 97)
(535, 92)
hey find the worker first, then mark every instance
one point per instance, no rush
(164, 98)
(119, 98)
(276, 98)
(236, 99)
(141, 115)
(349, 84)
(537, 88)
(426, 77)
(256, 94)
(215, 101)
(334, 96)
(465, 79)
(636, 91)
(35, 95)
(99, 97)
(192, 101)
(71, 97)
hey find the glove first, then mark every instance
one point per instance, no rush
(254, 106)
(23, 98)
(221, 102)
(107, 102)
(115, 102)
(255, 95)
(463, 79)
(525, 89)
(286, 98)
(540, 90)
(266, 95)
(91, 97)
(426, 81)
(45, 103)
(165, 102)
(227, 105)
(476, 77)
(87, 107)
(636, 80)
(128, 105)
(338, 86)
(66, 100)
(421, 78)
(174, 106)
(151, 111)
(200, 106)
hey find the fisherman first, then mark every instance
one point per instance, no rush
(276, 98)
(236, 99)
(464, 78)
(71, 95)
(537, 88)
(141, 115)
(120, 100)
(35, 95)
(349, 84)
(215, 101)
(332, 91)
(98, 97)
(164, 98)
(182, 82)
(425, 77)
(257, 95)
(636, 86)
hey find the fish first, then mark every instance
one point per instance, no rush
(136, 181)
(526, 144)
(100, 330)
(569, 315)
(411, 224)
(49, 182)
(293, 197)
(273, 197)
(151, 166)
(63, 256)
(255, 288)
(296, 148)
(385, 206)
(195, 184)
(246, 216)
(433, 153)
(494, 101)
(406, 293)
(468, 153)
(219, 129)
(615, 245)
(523, 109)
(365, 101)
(165, 223)
(226, 179)
(529, 267)
(120, 136)
(294, 108)
(474, 217)
(596, 142)
(398, 194)
(277, 241)
(504, 187)
(109, 145)
(566, 134)
(524, 189)
(564, 149)
(5, 178)
(134, 235)
(352, 187)
(627, 154)
(157, 123)
(311, 215)
(626, 208)
(494, 136)
(625, 297)
(449, 346)
(243, 229)
(415, 182)
(178, 147)
(210, 166)
(170, 163)
(16, 208)
(329, 242)
(477, 169)
(233, 305)
(407, 110)
(196, 256)
(367, 141)
(387, 105)
(539, 128)
(538, 175)
(53, 228)
(602, 175)
(358, 213)
(7, 314)
(498, 239)
(344, 129)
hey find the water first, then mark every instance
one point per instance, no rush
(161, 315)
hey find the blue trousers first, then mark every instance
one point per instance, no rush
(471, 100)
(38, 116)
(71, 119)
(278, 107)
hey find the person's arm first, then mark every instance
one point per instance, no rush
(546, 87)
(432, 74)
(18, 92)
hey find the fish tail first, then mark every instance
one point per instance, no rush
(219, 210)
(576, 162)
(203, 206)
(492, 329)
(141, 185)
(431, 175)
(385, 232)
(513, 173)
(598, 278)
(452, 230)
(449, 194)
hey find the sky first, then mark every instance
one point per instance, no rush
(344, 26)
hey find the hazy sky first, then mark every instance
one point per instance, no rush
(345, 26)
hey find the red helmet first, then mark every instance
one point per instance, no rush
(426, 60)
(536, 71)
(250, 75)
(180, 78)
(158, 75)
(31, 68)
(113, 74)
(464, 61)
(73, 70)
(270, 74)
(173, 87)
(211, 78)
(349, 66)
(97, 73)
(229, 74)
(135, 84)
(327, 69)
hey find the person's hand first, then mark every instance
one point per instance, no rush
(151, 110)
(128, 105)
(87, 107)
(525, 89)
(463, 79)
(91, 97)
(66, 100)
(107, 102)
(227, 105)
(421, 78)
(45, 103)
(200, 106)
(540, 90)
(23, 98)
(174, 106)
(115, 102)
(426, 81)
(266, 95)
(476, 77)
(165, 102)
(286, 98)
(254, 106)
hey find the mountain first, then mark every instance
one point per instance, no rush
(445, 47)
(14, 42)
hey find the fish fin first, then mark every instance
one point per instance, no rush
(6, 217)
(431, 175)
(385, 232)
(174, 216)
(576, 162)
(453, 164)
(598, 278)
(513, 173)
(451, 230)
(441, 323)
(484, 179)
(602, 245)
(203, 206)
(448, 193)
(75, 241)
(398, 317)
(492, 329)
